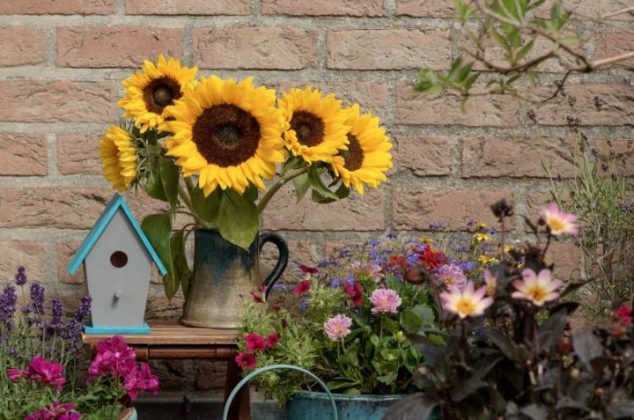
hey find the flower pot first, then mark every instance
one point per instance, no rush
(223, 275)
(309, 405)
(128, 414)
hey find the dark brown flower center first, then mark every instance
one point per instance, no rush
(226, 135)
(160, 93)
(354, 155)
(308, 127)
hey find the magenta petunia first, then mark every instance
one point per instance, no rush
(55, 411)
(245, 360)
(272, 339)
(355, 291)
(255, 342)
(46, 372)
(139, 380)
(307, 269)
(385, 301)
(624, 313)
(302, 287)
(14, 374)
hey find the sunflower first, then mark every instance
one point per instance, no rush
(150, 92)
(119, 157)
(315, 125)
(367, 158)
(228, 133)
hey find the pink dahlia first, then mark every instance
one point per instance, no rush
(385, 301)
(451, 276)
(557, 221)
(466, 302)
(337, 327)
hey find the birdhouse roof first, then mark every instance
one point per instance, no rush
(117, 202)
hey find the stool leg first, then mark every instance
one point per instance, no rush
(241, 406)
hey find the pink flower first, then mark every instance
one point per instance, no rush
(466, 302)
(245, 360)
(45, 371)
(272, 340)
(337, 327)
(307, 269)
(354, 289)
(255, 342)
(114, 356)
(385, 301)
(141, 379)
(491, 283)
(557, 221)
(451, 276)
(624, 313)
(537, 288)
(14, 374)
(302, 287)
(56, 411)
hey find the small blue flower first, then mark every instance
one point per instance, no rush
(390, 235)
(374, 242)
(335, 283)
(468, 265)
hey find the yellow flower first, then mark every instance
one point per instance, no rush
(537, 288)
(482, 237)
(367, 159)
(426, 240)
(227, 133)
(466, 302)
(315, 126)
(119, 158)
(149, 93)
(508, 249)
(485, 259)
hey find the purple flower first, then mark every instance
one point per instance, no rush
(45, 371)
(374, 242)
(385, 301)
(335, 283)
(8, 298)
(37, 297)
(451, 276)
(84, 309)
(468, 265)
(337, 327)
(20, 277)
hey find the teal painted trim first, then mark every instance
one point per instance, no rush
(247, 379)
(117, 202)
(101, 330)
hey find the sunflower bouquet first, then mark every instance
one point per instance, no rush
(218, 150)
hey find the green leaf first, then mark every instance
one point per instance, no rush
(181, 269)
(411, 322)
(158, 229)
(323, 193)
(170, 177)
(251, 193)
(524, 50)
(153, 185)
(426, 314)
(587, 347)
(237, 219)
(206, 208)
(301, 184)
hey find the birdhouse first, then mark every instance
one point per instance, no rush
(117, 259)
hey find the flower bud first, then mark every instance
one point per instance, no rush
(564, 345)
(575, 373)
(599, 392)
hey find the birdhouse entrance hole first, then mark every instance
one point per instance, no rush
(119, 259)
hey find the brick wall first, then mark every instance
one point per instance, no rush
(61, 62)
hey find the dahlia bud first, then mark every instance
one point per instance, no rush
(564, 345)
(575, 373)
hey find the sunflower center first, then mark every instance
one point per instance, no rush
(308, 127)
(160, 93)
(354, 155)
(226, 135)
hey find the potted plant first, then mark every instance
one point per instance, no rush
(507, 350)
(40, 348)
(206, 147)
(347, 322)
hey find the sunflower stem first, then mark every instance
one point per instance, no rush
(185, 197)
(284, 178)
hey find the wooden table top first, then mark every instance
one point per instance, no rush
(171, 333)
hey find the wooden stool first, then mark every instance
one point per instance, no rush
(170, 340)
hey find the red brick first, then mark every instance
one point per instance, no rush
(615, 108)
(620, 153)
(22, 45)
(65, 252)
(371, 96)
(23, 154)
(60, 7)
(388, 49)
(57, 101)
(32, 255)
(585, 9)
(64, 208)
(567, 259)
(107, 46)
(520, 157)
(187, 7)
(536, 200)
(610, 44)
(324, 7)
(417, 209)
(424, 8)
(490, 110)
(78, 153)
(255, 48)
(422, 155)
(354, 213)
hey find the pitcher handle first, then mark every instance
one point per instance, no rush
(282, 260)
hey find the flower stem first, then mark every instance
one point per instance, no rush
(284, 178)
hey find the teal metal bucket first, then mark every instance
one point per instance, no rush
(309, 405)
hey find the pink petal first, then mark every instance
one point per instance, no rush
(544, 276)
(478, 294)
